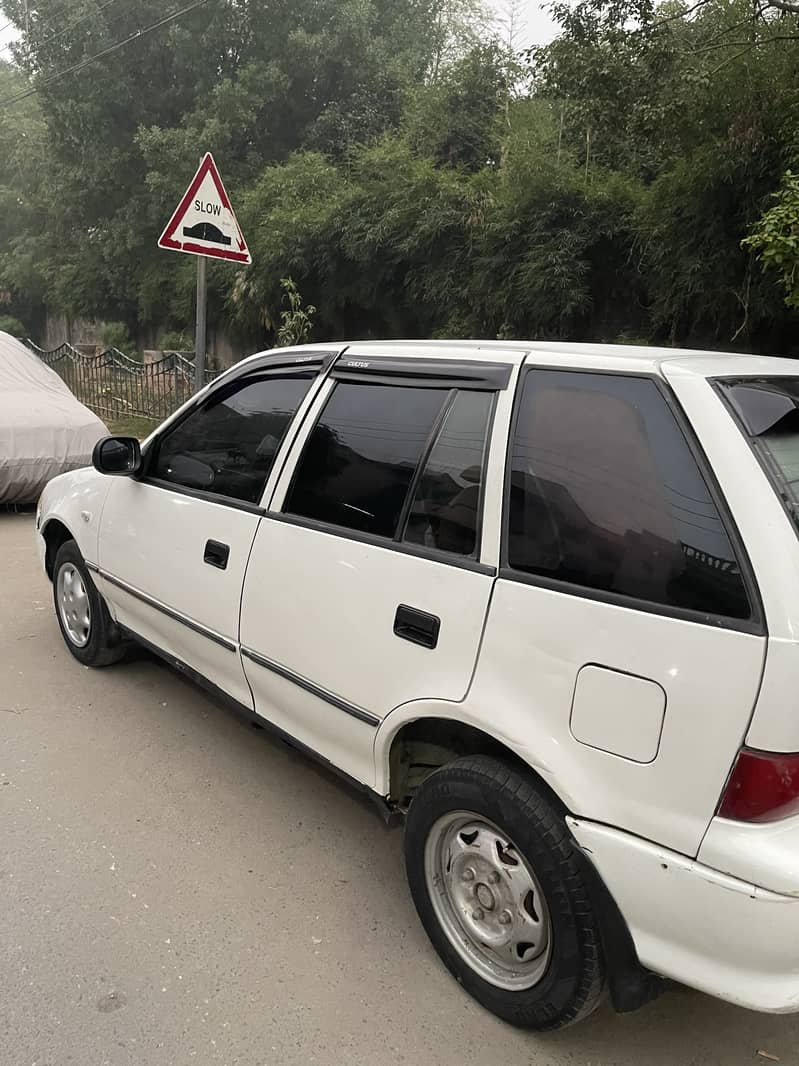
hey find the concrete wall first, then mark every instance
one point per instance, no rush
(85, 335)
(78, 331)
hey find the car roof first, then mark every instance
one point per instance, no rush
(630, 358)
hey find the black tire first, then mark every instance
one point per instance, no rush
(105, 645)
(571, 986)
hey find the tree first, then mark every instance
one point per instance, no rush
(775, 237)
(391, 159)
(455, 120)
(22, 162)
(251, 81)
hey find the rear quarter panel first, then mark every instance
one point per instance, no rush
(773, 548)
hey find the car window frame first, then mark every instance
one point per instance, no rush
(271, 366)
(427, 374)
(769, 467)
(435, 436)
(755, 624)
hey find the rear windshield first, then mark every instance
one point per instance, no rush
(768, 411)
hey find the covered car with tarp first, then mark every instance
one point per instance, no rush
(44, 429)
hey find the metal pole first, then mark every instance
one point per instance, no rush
(199, 336)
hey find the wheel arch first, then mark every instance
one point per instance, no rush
(55, 533)
(416, 740)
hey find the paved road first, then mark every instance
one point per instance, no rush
(178, 888)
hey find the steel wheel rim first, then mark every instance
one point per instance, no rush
(488, 901)
(74, 606)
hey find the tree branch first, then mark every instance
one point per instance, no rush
(731, 59)
(785, 5)
(746, 45)
(679, 15)
(735, 26)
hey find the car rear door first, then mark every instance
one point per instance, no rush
(368, 585)
(174, 545)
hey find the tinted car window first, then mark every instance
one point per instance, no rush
(362, 455)
(446, 505)
(605, 493)
(768, 411)
(227, 446)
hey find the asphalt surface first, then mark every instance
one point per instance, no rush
(178, 888)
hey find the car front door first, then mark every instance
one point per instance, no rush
(174, 544)
(367, 587)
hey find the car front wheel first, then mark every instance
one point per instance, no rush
(86, 626)
(498, 885)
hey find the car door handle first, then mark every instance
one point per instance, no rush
(417, 626)
(216, 554)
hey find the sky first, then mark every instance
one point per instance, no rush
(537, 26)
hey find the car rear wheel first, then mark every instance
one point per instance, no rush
(86, 626)
(498, 885)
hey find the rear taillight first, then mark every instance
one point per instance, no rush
(763, 787)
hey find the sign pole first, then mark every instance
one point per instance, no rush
(200, 332)
(205, 225)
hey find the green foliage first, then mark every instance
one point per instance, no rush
(456, 119)
(177, 341)
(117, 335)
(9, 324)
(391, 161)
(297, 321)
(251, 82)
(775, 237)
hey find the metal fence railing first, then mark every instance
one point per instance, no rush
(116, 387)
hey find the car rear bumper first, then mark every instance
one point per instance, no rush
(765, 853)
(714, 932)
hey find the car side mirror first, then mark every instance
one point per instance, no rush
(119, 456)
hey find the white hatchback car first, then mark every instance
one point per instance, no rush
(541, 599)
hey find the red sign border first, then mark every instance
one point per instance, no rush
(167, 239)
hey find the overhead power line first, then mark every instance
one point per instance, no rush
(45, 82)
(60, 10)
(66, 29)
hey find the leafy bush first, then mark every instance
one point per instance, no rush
(177, 341)
(9, 324)
(117, 335)
(296, 322)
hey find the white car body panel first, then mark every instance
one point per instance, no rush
(765, 853)
(689, 922)
(558, 677)
(153, 542)
(775, 727)
(338, 599)
(536, 642)
(76, 500)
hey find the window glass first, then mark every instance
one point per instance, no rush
(768, 409)
(606, 494)
(446, 505)
(362, 455)
(228, 445)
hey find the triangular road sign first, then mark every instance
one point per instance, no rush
(204, 222)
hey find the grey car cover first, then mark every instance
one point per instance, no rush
(44, 430)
